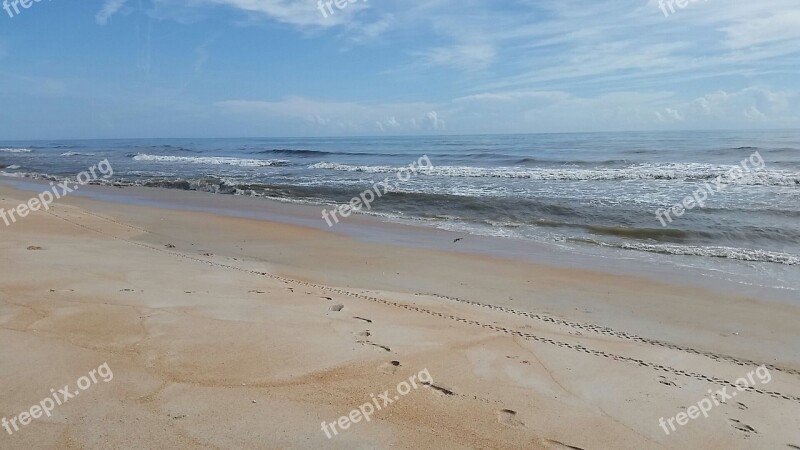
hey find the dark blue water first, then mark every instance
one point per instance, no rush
(577, 190)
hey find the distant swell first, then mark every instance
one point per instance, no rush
(309, 153)
(175, 149)
(286, 151)
(583, 163)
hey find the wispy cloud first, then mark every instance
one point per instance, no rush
(109, 8)
(302, 13)
(468, 57)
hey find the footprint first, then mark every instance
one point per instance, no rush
(743, 426)
(508, 417)
(389, 368)
(362, 334)
(336, 308)
(561, 445)
(361, 318)
(169, 246)
(34, 248)
(382, 347)
(438, 389)
(667, 382)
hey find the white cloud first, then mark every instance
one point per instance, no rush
(534, 111)
(339, 117)
(669, 115)
(109, 8)
(749, 105)
(754, 114)
(674, 114)
(434, 122)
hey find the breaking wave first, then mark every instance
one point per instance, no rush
(15, 150)
(673, 171)
(212, 160)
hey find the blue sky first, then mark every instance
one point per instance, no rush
(229, 68)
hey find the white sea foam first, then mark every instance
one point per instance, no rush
(212, 160)
(674, 171)
(15, 150)
(741, 254)
(77, 154)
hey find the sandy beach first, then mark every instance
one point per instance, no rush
(232, 332)
(330, 224)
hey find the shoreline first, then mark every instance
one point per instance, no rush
(194, 308)
(716, 274)
(704, 272)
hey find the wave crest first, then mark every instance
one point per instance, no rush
(212, 160)
(15, 150)
(741, 254)
(669, 172)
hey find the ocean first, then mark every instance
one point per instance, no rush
(586, 192)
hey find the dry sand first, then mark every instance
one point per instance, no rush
(222, 332)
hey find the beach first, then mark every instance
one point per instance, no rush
(330, 224)
(225, 329)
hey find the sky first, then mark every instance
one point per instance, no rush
(244, 68)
